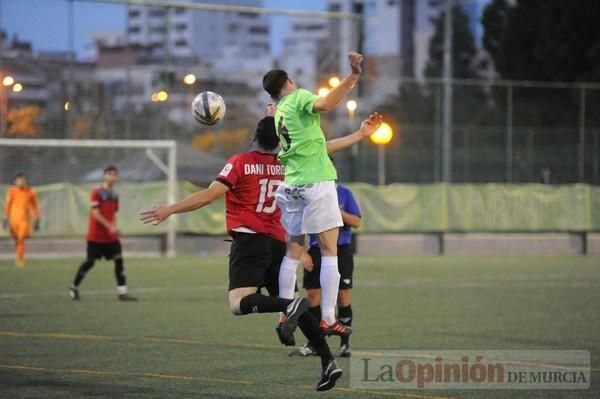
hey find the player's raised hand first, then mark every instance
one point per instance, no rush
(155, 215)
(371, 124)
(356, 60)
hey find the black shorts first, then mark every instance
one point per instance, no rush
(345, 266)
(109, 250)
(254, 261)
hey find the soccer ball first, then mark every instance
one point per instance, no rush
(208, 108)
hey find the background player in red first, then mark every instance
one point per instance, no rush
(249, 181)
(103, 235)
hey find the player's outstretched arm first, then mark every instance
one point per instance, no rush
(195, 201)
(367, 128)
(338, 93)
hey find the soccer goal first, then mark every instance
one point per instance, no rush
(48, 163)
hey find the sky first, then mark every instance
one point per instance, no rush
(45, 22)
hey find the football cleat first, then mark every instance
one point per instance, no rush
(336, 328)
(74, 293)
(127, 298)
(304, 351)
(345, 351)
(285, 329)
(329, 376)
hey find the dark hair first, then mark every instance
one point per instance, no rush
(111, 168)
(265, 134)
(20, 175)
(273, 82)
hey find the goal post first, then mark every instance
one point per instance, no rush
(169, 169)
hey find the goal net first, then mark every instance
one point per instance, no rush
(63, 171)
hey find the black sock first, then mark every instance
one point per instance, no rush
(311, 330)
(257, 303)
(120, 272)
(316, 311)
(345, 316)
(83, 269)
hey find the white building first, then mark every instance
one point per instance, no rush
(301, 49)
(183, 32)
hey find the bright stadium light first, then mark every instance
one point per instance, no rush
(351, 106)
(383, 135)
(8, 80)
(189, 79)
(17, 87)
(162, 96)
(334, 81)
(67, 106)
(323, 91)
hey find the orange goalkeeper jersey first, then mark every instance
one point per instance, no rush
(20, 202)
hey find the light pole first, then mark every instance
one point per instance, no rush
(382, 137)
(351, 106)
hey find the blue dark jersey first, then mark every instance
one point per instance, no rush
(348, 204)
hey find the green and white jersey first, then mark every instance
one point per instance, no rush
(303, 145)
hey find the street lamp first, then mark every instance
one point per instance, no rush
(162, 96)
(17, 87)
(189, 79)
(8, 80)
(323, 91)
(334, 81)
(382, 136)
(351, 106)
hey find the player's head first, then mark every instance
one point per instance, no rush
(20, 180)
(111, 175)
(265, 136)
(277, 80)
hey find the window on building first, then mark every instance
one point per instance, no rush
(180, 10)
(134, 29)
(133, 13)
(259, 29)
(181, 43)
(180, 27)
(158, 29)
(158, 12)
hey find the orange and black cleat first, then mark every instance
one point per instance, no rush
(337, 328)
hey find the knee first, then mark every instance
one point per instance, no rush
(234, 307)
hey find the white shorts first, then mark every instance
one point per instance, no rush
(309, 208)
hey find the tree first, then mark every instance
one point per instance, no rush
(24, 121)
(551, 40)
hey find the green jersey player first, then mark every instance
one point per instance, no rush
(308, 197)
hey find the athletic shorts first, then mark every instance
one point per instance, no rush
(108, 250)
(254, 261)
(309, 208)
(345, 266)
(20, 230)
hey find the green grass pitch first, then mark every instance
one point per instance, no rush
(180, 341)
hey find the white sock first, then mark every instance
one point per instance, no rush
(287, 277)
(330, 284)
(122, 289)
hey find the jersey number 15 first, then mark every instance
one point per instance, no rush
(268, 189)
